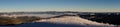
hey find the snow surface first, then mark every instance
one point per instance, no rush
(75, 20)
(70, 20)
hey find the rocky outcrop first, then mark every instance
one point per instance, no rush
(103, 18)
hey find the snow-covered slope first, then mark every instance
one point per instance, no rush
(75, 20)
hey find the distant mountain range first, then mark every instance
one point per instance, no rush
(57, 12)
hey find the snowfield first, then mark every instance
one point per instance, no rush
(69, 20)
(75, 20)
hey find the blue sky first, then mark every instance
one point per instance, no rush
(60, 5)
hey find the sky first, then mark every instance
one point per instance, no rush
(60, 5)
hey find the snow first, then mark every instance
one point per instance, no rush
(75, 20)
(38, 15)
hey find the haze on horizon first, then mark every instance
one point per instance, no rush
(60, 5)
